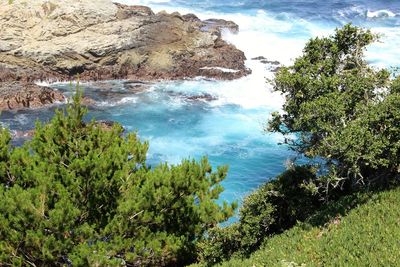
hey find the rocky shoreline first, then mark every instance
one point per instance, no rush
(17, 95)
(49, 40)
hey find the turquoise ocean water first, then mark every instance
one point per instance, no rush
(228, 127)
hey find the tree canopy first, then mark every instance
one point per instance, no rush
(80, 195)
(341, 110)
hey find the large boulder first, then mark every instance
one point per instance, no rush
(58, 39)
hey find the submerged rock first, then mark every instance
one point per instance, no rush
(88, 101)
(22, 134)
(204, 97)
(267, 61)
(194, 98)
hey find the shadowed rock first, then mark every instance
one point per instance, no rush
(218, 25)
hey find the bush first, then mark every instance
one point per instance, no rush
(271, 209)
(80, 195)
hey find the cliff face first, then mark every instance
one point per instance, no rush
(57, 39)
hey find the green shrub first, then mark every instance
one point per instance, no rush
(362, 230)
(221, 244)
(82, 195)
(269, 210)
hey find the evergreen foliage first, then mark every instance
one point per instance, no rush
(80, 195)
(271, 209)
(341, 110)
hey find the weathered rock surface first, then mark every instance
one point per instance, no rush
(15, 96)
(101, 40)
(57, 39)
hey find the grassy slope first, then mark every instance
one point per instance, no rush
(368, 235)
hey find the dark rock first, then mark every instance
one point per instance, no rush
(266, 61)
(191, 17)
(204, 97)
(18, 95)
(259, 58)
(218, 25)
(276, 69)
(270, 62)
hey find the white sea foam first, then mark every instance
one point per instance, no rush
(43, 83)
(362, 12)
(125, 100)
(276, 38)
(248, 92)
(48, 83)
(380, 14)
(385, 53)
(22, 119)
(220, 69)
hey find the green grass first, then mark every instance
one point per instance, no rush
(341, 235)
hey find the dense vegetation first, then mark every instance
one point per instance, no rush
(340, 113)
(343, 111)
(271, 209)
(358, 230)
(80, 195)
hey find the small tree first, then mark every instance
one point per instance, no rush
(341, 110)
(82, 195)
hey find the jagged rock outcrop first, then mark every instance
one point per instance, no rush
(101, 40)
(16, 96)
(57, 39)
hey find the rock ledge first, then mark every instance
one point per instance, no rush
(48, 40)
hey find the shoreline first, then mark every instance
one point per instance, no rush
(109, 41)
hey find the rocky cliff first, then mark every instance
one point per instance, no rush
(58, 39)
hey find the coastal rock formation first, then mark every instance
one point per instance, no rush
(58, 39)
(272, 65)
(49, 40)
(16, 95)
